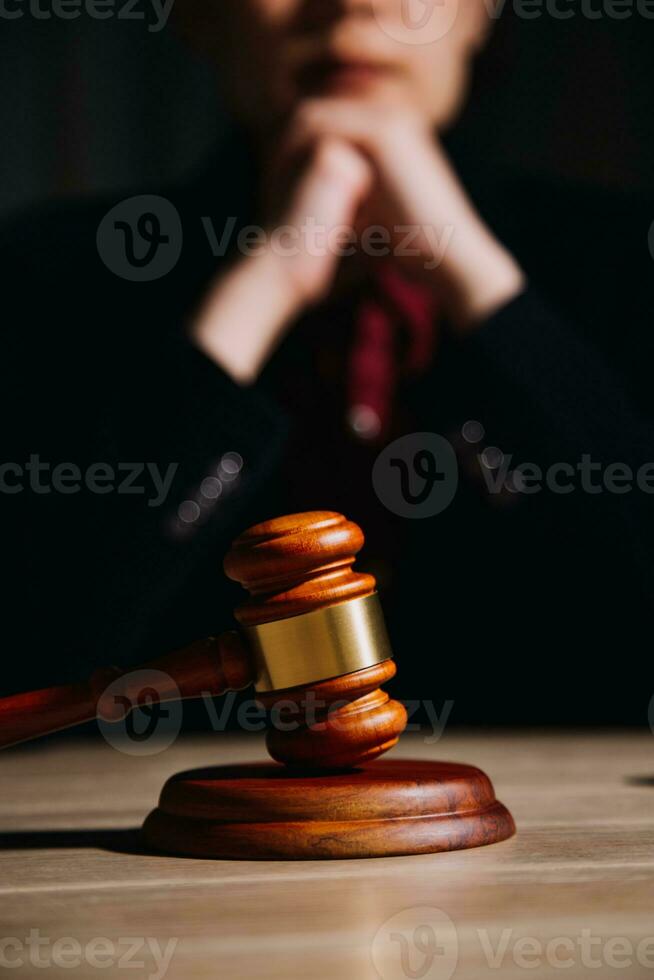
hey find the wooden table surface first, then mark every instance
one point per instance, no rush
(572, 895)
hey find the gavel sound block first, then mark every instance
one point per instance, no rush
(313, 641)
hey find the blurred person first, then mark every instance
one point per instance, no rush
(513, 318)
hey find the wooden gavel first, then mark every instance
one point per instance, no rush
(312, 641)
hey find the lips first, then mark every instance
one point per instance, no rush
(332, 74)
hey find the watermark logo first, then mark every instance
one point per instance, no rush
(417, 475)
(140, 239)
(569, 9)
(417, 21)
(132, 717)
(423, 942)
(418, 943)
(137, 713)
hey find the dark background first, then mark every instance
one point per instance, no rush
(97, 105)
(91, 105)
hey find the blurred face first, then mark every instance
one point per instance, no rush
(275, 53)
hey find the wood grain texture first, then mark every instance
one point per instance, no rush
(211, 666)
(293, 564)
(583, 860)
(356, 722)
(381, 809)
(298, 564)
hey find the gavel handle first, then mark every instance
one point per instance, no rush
(212, 666)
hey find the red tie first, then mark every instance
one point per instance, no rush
(395, 337)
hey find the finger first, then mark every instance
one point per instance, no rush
(343, 118)
(335, 182)
(321, 216)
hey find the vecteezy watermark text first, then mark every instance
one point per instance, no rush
(425, 942)
(140, 239)
(317, 240)
(417, 476)
(567, 9)
(145, 954)
(312, 712)
(43, 477)
(586, 475)
(422, 22)
(156, 15)
(140, 713)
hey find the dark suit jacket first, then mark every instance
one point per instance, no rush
(516, 607)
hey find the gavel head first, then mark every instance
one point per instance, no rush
(316, 632)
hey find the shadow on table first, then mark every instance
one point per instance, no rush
(645, 780)
(119, 841)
